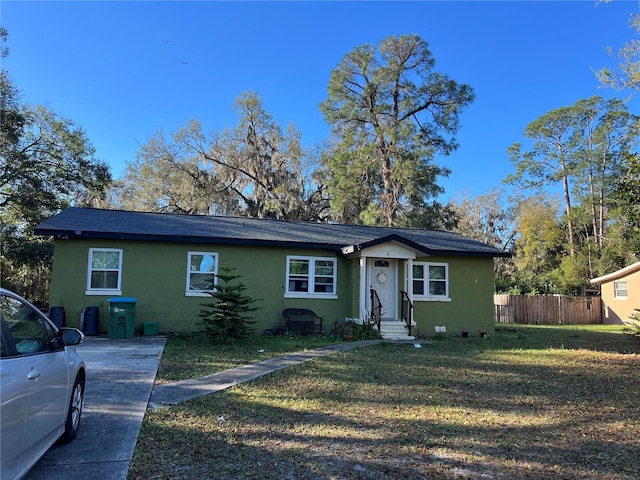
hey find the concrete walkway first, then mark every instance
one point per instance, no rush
(174, 393)
(120, 376)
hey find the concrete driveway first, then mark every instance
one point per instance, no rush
(120, 375)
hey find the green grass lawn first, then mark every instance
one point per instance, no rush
(524, 403)
(192, 356)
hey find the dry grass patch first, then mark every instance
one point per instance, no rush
(526, 403)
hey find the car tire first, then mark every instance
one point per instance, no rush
(74, 412)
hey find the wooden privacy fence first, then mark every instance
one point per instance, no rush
(547, 309)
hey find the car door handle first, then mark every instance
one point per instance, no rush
(33, 374)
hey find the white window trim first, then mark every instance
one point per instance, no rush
(104, 291)
(615, 291)
(200, 293)
(432, 298)
(311, 294)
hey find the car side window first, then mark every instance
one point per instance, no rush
(31, 334)
(3, 350)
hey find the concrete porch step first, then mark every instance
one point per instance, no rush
(395, 330)
(387, 336)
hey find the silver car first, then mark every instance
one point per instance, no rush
(42, 382)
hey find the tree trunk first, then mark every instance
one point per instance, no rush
(601, 199)
(592, 200)
(567, 202)
(389, 203)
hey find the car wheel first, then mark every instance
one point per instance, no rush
(72, 424)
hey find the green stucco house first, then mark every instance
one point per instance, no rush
(169, 262)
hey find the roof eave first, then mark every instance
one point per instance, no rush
(68, 234)
(348, 249)
(623, 272)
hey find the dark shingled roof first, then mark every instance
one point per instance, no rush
(164, 227)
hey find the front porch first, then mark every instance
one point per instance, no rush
(385, 279)
(393, 329)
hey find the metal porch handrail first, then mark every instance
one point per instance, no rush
(406, 310)
(376, 309)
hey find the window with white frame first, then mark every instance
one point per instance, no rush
(620, 290)
(314, 276)
(202, 269)
(431, 280)
(105, 271)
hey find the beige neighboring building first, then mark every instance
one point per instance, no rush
(620, 293)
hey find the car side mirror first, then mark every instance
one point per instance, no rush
(70, 336)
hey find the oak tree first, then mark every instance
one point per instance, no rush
(46, 164)
(254, 169)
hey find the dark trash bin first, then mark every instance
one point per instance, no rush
(122, 317)
(90, 321)
(58, 316)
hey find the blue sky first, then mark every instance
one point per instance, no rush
(123, 70)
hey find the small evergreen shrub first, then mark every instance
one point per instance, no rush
(227, 318)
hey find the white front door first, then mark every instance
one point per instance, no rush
(382, 276)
